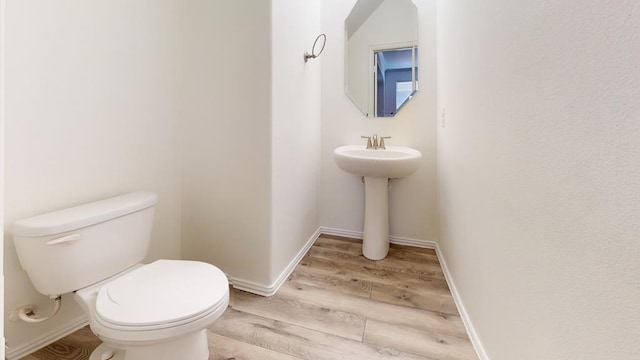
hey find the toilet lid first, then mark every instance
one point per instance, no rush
(162, 292)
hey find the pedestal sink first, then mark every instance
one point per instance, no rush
(377, 166)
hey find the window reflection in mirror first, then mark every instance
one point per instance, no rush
(395, 79)
(374, 27)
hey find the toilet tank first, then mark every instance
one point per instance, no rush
(69, 249)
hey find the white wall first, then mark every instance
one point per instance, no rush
(412, 199)
(252, 137)
(227, 157)
(295, 129)
(90, 113)
(539, 174)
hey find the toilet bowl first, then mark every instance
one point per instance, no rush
(140, 311)
(156, 311)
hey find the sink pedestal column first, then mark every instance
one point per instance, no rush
(375, 244)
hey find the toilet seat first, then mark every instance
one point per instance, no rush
(159, 300)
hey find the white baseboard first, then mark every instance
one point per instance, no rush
(341, 232)
(473, 335)
(269, 290)
(392, 239)
(42, 341)
(413, 242)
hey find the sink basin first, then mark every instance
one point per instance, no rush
(392, 162)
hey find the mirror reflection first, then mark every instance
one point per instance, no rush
(396, 82)
(381, 55)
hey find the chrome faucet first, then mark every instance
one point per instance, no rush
(369, 146)
(381, 145)
(375, 142)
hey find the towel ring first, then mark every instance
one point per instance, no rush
(313, 54)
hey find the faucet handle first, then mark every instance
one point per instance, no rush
(382, 141)
(369, 146)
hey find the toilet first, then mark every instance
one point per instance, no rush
(140, 311)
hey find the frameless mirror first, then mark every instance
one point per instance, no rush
(381, 55)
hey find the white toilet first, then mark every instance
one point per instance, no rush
(141, 312)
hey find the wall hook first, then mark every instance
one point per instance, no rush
(313, 54)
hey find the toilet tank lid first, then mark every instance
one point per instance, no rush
(77, 217)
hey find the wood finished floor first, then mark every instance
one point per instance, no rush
(336, 305)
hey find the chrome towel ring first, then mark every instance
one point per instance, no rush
(313, 54)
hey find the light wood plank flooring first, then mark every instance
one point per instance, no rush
(336, 305)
